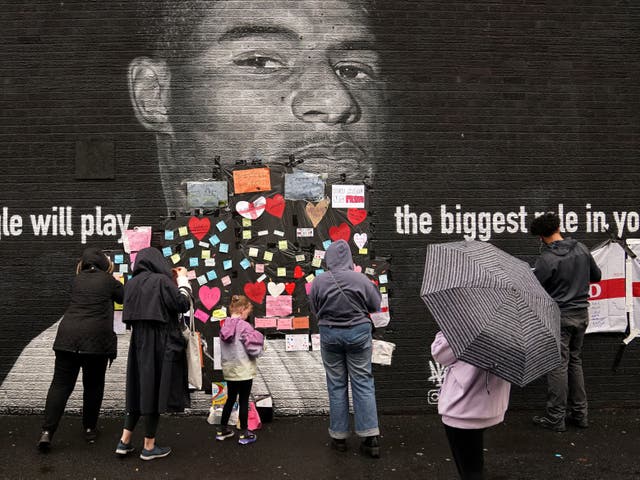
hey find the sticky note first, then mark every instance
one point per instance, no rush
(259, 267)
(326, 244)
(282, 245)
(226, 281)
(319, 271)
(183, 231)
(202, 279)
(202, 316)
(166, 251)
(175, 258)
(281, 272)
(224, 248)
(268, 256)
(205, 254)
(119, 258)
(253, 252)
(363, 251)
(209, 262)
(194, 261)
(212, 275)
(214, 239)
(246, 234)
(383, 278)
(300, 258)
(316, 262)
(262, 233)
(168, 234)
(227, 264)
(245, 263)
(309, 278)
(221, 226)
(188, 244)
(279, 233)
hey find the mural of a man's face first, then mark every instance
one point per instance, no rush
(299, 78)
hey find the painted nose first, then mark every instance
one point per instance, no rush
(323, 98)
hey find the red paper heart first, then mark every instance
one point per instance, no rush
(199, 227)
(341, 232)
(255, 291)
(356, 215)
(298, 272)
(290, 287)
(209, 296)
(275, 205)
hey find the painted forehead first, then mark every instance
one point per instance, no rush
(300, 20)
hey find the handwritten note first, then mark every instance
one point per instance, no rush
(252, 180)
(264, 322)
(295, 342)
(300, 323)
(279, 306)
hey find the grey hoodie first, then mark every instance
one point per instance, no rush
(565, 268)
(358, 297)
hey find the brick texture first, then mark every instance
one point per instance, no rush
(492, 105)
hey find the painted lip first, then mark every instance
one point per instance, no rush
(346, 153)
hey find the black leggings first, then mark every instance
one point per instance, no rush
(467, 449)
(235, 389)
(150, 423)
(66, 370)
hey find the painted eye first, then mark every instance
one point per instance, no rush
(354, 72)
(260, 63)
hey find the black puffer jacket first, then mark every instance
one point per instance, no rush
(87, 324)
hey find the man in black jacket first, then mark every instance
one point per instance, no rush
(565, 268)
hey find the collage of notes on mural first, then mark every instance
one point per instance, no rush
(265, 239)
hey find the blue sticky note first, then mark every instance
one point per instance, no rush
(202, 280)
(188, 244)
(212, 275)
(326, 244)
(214, 239)
(224, 248)
(319, 271)
(245, 263)
(227, 264)
(118, 258)
(193, 261)
(221, 226)
(168, 234)
(166, 251)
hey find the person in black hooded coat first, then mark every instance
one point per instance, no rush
(156, 367)
(85, 340)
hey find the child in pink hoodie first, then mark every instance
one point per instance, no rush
(471, 400)
(240, 345)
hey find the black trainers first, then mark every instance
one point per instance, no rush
(580, 422)
(155, 452)
(339, 444)
(247, 437)
(371, 446)
(90, 435)
(124, 449)
(554, 425)
(223, 432)
(45, 441)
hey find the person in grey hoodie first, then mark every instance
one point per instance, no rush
(565, 268)
(341, 300)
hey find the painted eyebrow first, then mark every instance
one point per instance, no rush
(243, 31)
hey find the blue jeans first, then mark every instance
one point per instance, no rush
(346, 355)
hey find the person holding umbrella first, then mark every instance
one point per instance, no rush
(565, 268)
(471, 400)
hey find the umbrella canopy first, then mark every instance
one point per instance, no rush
(492, 310)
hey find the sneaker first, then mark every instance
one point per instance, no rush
(90, 435)
(124, 448)
(247, 437)
(554, 425)
(580, 422)
(223, 432)
(45, 441)
(156, 452)
(371, 446)
(339, 444)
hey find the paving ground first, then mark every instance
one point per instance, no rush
(413, 447)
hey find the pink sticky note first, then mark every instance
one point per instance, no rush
(307, 287)
(262, 322)
(202, 316)
(285, 323)
(279, 306)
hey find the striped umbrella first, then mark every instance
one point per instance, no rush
(492, 310)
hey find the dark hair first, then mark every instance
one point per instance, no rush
(545, 225)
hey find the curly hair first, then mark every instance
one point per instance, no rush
(545, 225)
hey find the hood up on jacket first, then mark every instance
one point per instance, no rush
(94, 257)
(228, 330)
(151, 260)
(338, 256)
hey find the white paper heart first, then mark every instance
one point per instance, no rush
(251, 210)
(360, 239)
(275, 289)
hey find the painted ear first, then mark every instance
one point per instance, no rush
(149, 82)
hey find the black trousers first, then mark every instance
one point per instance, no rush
(150, 423)
(241, 389)
(467, 449)
(66, 370)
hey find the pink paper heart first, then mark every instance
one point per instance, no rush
(357, 268)
(209, 296)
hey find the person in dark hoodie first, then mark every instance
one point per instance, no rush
(341, 300)
(565, 268)
(156, 367)
(85, 340)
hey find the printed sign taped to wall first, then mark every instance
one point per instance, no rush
(607, 298)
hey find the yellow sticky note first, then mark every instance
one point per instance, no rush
(309, 278)
(268, 256)
(219, 313)
(175, 258)
(363, 251)
(246, 222)
(246, 234)
(282, 272)
(206, 254)
(183, 231)
(316, 262)
(383, 289)
(282, 244)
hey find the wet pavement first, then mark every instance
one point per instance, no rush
(413, 447)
